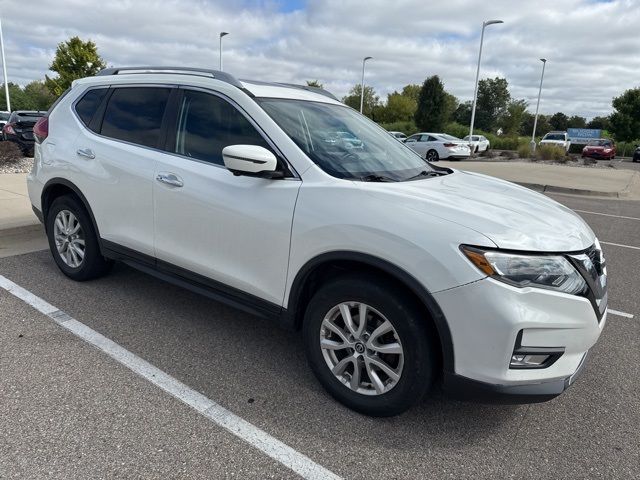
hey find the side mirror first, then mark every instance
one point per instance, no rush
(250, 160)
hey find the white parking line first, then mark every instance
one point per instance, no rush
(274, 448)
(620, 245)
(620, 314)
(606, 214)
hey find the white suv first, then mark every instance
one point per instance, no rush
(399, 273)
(559, 139)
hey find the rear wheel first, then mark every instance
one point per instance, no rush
(368, 345)
(432, 156)
(73, 241)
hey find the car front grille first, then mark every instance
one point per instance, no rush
(592, 266)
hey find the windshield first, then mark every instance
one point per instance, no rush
(4, 116)
(600, 143)
(554, 136)
(344, 143)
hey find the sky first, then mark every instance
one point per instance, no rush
(592, 47)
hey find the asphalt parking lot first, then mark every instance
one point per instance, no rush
(68, 410)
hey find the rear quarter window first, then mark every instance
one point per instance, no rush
(87, 105)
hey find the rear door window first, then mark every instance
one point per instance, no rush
(134, 114)
(86, 107)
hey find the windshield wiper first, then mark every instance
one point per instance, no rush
(425, 173)
(377, 178)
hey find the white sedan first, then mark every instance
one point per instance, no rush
(434, 146)
(479, 143)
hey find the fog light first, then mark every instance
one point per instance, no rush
(533, 357)
(532, 361)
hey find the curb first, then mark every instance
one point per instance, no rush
(571, 191)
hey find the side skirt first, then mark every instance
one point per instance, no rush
(196, 283)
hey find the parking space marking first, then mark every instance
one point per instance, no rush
(620, 245)
(606, 214)
(620, 314)
(274, 448)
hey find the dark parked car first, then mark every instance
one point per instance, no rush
(636, 154)
(19, 129)
(600, 148)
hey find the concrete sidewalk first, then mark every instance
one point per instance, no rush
(604, 182)
(20, 230)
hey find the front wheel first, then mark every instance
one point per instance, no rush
(368, 344)
(432, 156)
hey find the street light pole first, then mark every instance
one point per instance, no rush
(535, 120)
(222, 34)
(4, 70)
(475, 91)
(362, 83)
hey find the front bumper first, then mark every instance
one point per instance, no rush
(485, 318)
(602, 155)
(467, 389)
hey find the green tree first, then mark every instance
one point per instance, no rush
(462, 115)
(576, 121)
(625, 120)
(16, 94)
(412, 91)
(559, 121)
(601, 123)
(74, 59)
(511, 121)
(542, 127)
(451, 105)
(398, 108)
(431, 114)
(371, 100)
(38, 95)
(314, 83)
(493, 99)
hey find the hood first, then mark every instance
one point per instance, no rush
(511, 216)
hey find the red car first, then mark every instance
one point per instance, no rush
(601, 148)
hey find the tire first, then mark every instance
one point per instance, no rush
(477, 149)
(410, 334)
(91, 263)
(432, 156)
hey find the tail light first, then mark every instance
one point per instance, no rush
(449, 145)
(8, 128)
(41, 129)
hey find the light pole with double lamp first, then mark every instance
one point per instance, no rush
(535, 120)
(475, 91)
(364, 60)
(222, 34)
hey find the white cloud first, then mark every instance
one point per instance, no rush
(590, 45)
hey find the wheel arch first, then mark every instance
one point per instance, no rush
(330, 264)
(57, 187)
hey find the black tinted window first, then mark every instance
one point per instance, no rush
(89, 103)
(134, 114)
(207, 124)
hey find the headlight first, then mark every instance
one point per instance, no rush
(553, 272)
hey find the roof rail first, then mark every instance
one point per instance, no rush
(218, 75)
(309, 88)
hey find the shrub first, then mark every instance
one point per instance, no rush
(9, 152)
(550, 152)
(524, 151)
(456, 129)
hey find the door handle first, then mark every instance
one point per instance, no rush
(170, 179)
(86, 152)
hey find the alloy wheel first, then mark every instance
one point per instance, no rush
(361, 348)
(69, 238)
